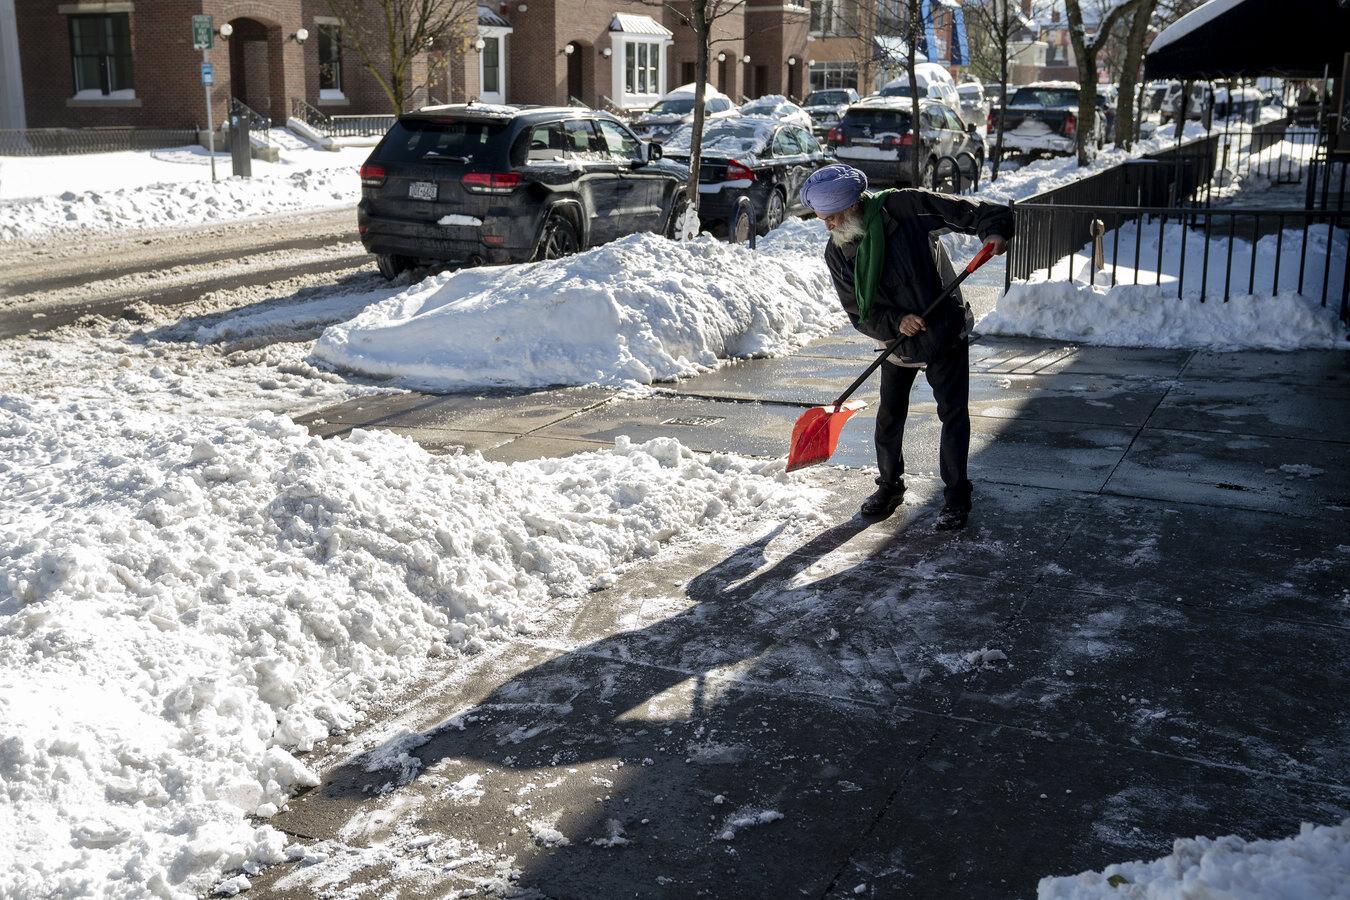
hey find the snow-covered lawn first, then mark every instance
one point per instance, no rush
(1312, 865)
(163, 188)
(1143, 309)
(640, 309)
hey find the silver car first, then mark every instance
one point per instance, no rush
(974, 106)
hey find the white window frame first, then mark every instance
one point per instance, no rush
(830, 70)
(619, 62)
(502, 35)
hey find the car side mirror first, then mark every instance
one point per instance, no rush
(970, 128)
(654, 152)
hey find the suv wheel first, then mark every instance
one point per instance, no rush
(928, 176)
(392, 266)
(559, 237)
(775, 210)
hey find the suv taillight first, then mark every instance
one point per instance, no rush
(490, 182)
(1070, 124)
(989, 121)
(372, 175)
(904, 140)
(835, 136)
(739, 171)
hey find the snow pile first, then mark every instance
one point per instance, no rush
(178, 204)
(1143, 309)
(640, 309)
(185, 603)
(1130, 316)
(1312, 865)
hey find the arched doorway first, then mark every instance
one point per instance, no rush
(581, 73)
(257, 76)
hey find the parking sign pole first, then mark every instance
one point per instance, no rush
(210, 126)
(203, 36)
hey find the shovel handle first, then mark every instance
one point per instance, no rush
(986, 253)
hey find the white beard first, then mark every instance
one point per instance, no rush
(849, 231)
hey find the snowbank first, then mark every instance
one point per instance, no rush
(640, 309)
(1312, 865)
(178, 204)
(1146, 316)
(185, 603)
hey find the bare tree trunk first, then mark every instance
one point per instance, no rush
(1002, 97)
(912, 39)
(700, 21)
(1129, 74)
(1085, 53)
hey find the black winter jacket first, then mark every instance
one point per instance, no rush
(910, 279)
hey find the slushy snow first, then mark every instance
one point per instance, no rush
(640, 309)
(186, 603)
(1312, 865)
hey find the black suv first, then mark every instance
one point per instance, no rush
(877, 136)
(466, 184)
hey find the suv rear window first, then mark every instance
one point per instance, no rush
(1044, 97)
(878, 120)
(426, 140)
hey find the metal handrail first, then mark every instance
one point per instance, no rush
(311, 115)
(257, 122)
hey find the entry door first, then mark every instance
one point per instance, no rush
(491, 71)
(574, 82)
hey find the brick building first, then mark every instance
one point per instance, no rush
(859, 43)
(73, 63)
(132, 62)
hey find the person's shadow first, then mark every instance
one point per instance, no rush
(712, 685)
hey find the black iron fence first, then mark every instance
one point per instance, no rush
(372, 125)
(70, 141)
(1204, 253)
(258, 124)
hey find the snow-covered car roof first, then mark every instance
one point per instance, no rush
(923, 74)
(970, 87)
(477, 109)
(775, 105)
(726, 137)
(1054, 85)
(687, 90)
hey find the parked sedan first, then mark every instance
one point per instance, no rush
(827, 107)
(754, 157)
(776, 106)
(465, 184)
(974, 108)
(877, 136)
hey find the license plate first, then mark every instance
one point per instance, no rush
(422, 190)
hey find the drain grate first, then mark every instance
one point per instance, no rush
(694, 421)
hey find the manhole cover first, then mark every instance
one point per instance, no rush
(695, 421)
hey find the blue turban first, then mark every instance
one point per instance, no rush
(833, 189)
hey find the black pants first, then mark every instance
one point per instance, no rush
(949, 376)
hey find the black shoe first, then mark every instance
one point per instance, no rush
(952, 518)
(883, 501)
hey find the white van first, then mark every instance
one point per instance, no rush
(934, 81)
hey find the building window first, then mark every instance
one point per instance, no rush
(828, 76)
(492, 65)
(330, 58)
(100, 48)
(641, 68)
(890, 18)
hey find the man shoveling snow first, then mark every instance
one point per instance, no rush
(884, 259)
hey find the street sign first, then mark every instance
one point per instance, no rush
(203, 33)
(208, 73)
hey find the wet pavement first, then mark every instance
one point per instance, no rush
(1139, 637)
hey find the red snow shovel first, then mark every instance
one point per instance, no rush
(816, 433)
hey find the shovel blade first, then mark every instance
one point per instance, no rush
(816, 434)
